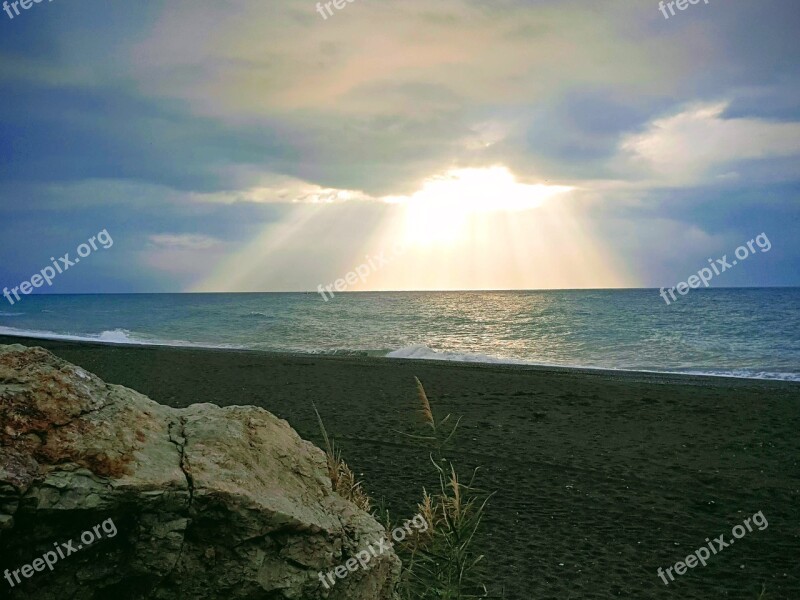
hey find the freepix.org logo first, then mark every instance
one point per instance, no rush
(680, 4)
(49, 273)
(62, 550)
(719, 266)
(17, 4)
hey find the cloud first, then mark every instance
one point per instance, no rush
(186, 256)
(262, 188)
(194, 130)
(183, 241)
(247, 60)
(699, 143)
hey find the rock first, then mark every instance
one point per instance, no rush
(206, 502)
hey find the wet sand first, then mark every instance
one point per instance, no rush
(601, 477)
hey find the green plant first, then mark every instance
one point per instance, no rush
(441, 563)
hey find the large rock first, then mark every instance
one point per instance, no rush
(207, 502)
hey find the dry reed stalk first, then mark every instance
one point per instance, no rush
(456, 494)
(426, 405)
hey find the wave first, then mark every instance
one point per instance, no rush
(114, 337)
(422, 352)
(745, 374)
(344, 352)
(8, 314)
(257, 315)
(414, 352)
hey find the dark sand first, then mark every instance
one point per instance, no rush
(601, 477)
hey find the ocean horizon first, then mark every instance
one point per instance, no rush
(736, 332)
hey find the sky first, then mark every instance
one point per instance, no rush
(268, 145)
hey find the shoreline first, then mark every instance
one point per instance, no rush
(669, 376)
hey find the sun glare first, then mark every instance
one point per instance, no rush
(464, 229)
(440, 212)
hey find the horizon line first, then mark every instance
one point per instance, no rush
(417, 291)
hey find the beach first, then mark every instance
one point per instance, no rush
(600, 477)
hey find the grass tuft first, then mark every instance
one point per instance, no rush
(342, 478)
(440, 563)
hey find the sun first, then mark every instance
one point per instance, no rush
(441, 211)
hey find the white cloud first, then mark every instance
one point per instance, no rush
(249, 60)
(182, 255)
(183, 241)
(260, 187)
(696, 144)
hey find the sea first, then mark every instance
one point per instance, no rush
(748, 333)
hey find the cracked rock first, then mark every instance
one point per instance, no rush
(208, 502)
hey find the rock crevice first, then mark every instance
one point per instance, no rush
(181, 445)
